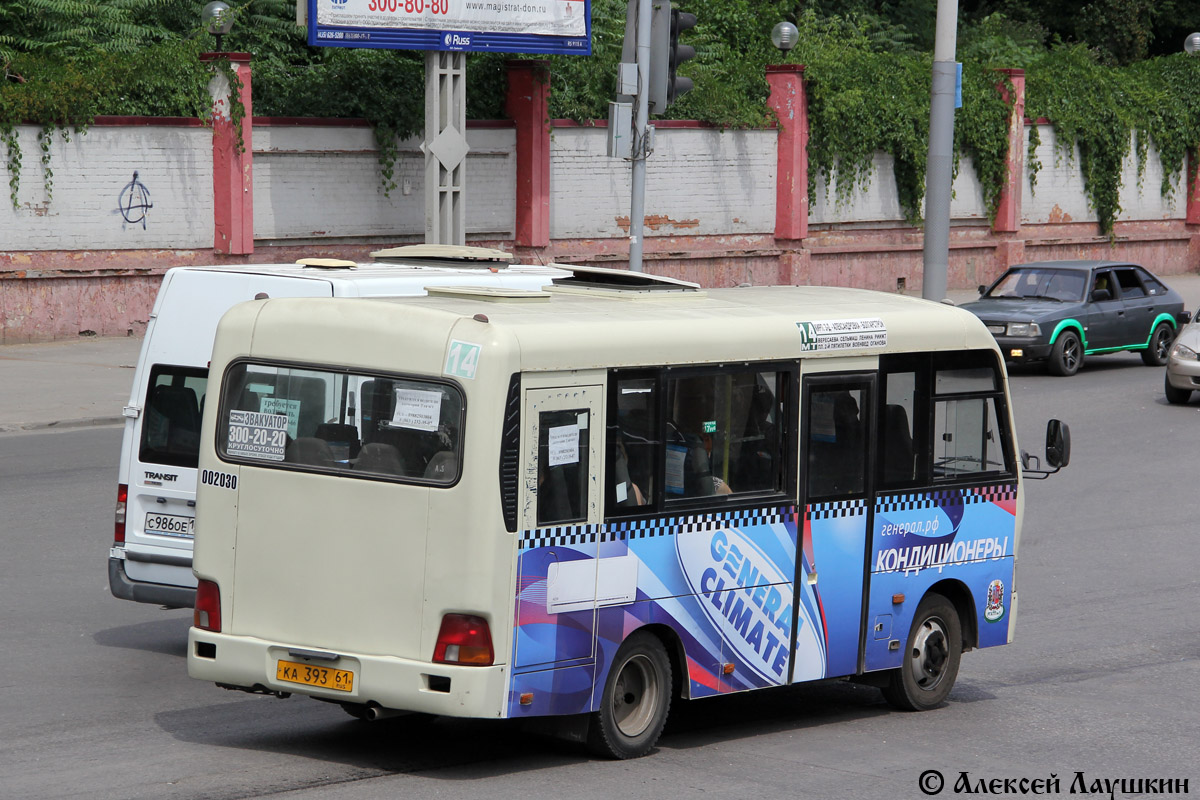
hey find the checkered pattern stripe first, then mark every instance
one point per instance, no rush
(949, 497)
(559, 536)
(632, 530)
(837, 510)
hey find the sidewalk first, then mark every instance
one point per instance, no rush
(86, 382)
(72, 383)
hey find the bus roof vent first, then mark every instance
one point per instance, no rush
(491, 294)
(621, 281)
(327, 263)
(442, 255)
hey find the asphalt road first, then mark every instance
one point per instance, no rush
(95, 700)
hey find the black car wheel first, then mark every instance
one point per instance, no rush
(1067, 355)
(1160, 346)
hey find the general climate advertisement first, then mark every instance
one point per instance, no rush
(730, 587)
(722, 582)
(921, 538)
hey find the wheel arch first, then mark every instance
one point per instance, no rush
(1069, 324)
(1161, 318)
(673, 644)
(964, 605)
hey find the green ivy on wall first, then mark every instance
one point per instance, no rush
(868, 88)
(1104, 114)
(68, 93)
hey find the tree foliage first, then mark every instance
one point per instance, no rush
(868, 68)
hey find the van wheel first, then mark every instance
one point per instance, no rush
(1175, 397)
(930, 665)
(1067, 355)
(636, 700)
(1160, 346)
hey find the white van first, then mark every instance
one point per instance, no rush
(151, 557)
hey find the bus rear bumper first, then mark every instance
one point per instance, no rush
(245, 662)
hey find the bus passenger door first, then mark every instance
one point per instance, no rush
(834, 484)
(559, 505)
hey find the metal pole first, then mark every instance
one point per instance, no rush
(637, 193)
(940, 165)
(445, 147)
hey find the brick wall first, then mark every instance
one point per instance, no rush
(94, 189)
(699, 182)
(90, 259)
(322, 182)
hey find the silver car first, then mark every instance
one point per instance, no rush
(1183, 365)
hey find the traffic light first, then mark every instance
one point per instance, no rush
(677, 84)
(666, 53)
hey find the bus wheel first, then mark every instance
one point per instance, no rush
(637, 697)
(930, 664)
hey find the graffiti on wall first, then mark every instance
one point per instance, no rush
(134, 202)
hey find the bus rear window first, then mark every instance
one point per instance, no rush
(363, 426)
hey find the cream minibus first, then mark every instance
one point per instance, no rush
(586, 501)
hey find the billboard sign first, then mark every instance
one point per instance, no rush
(477, 26)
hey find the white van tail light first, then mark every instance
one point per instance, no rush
(207, 616)
(119, 515)
(463, 639)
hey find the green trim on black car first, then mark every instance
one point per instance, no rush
(1167, 318)
(1070, 323)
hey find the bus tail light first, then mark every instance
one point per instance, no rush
(464, 639)
(119, 515)
(207, 616)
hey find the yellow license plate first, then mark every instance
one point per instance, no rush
(341, 680)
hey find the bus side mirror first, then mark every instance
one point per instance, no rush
(1058, 444)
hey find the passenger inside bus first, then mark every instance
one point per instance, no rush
(626, 491)
(690, 441)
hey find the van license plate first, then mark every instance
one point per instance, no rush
(170, 525)
(341, 680)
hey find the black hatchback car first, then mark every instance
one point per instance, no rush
(1061, 311)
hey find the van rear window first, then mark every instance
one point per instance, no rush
(359, 425)
(171, 417)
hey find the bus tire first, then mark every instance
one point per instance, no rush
(636, 699)
(931, 657)
(1155, 355)
(1066, 356)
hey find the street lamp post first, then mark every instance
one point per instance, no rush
(784, 36)
(217, 20)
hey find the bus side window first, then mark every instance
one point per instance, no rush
(967, 438)
(896, 432)
(966, 427)
(836, 443)
(562, 466)
(632, 443)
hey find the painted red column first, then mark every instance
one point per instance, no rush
(233, 160)
(1008, 208)
(791, 188)
(1193, 188)
(528, 104)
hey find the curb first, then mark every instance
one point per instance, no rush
(94, 422)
